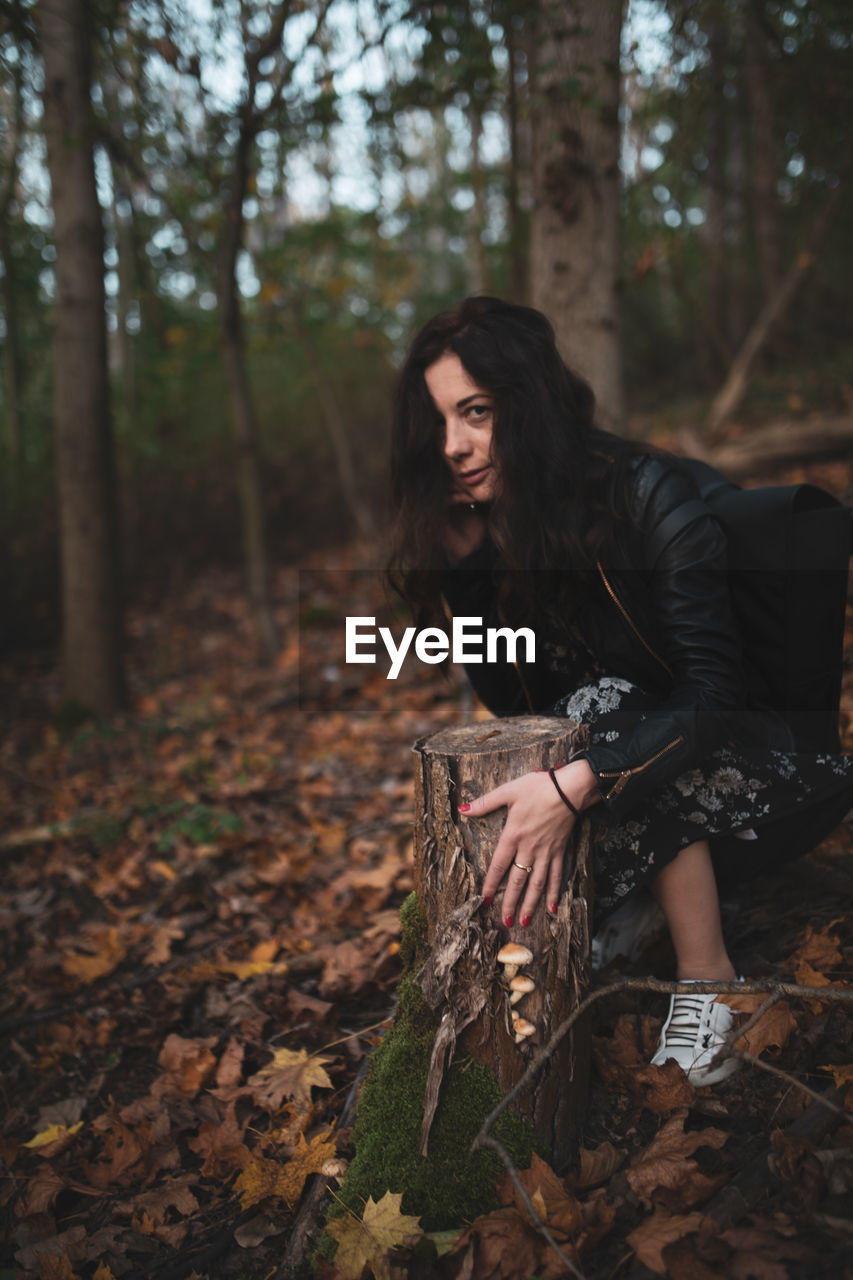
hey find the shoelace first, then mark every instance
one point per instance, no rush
(686, 1021)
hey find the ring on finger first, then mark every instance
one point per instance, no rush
(521, 868)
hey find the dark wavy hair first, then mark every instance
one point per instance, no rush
(560, 476)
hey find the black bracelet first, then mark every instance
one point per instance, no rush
(561, 793)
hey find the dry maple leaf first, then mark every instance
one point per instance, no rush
(262, 1178)
(370, 1241)
(505, 1245)
(665, 1162)
(291, 1074)
(819, 951)
(773, 1028)
(652, 1236)
(556, 1207)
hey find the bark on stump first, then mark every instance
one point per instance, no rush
(461, 979)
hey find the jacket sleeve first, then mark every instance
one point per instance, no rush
(696, 639)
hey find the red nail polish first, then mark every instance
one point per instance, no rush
(552, 907)
(508, 921)
(525, 921)
(463, 808)
(487, 902)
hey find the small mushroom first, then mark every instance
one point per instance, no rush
(520, 986)
(335, 1168)
(512, 956)
(522, 1028)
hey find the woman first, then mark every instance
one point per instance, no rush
(512, 506)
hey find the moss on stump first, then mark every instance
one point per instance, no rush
(449, 1186)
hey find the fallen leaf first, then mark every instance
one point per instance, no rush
(254, 1232)
(55, 1136)
(773, 1028)
(230, 1067)
(221, 1144)
(665, 1163)
(820, 950)
(662, 1089)
(652, 1236)
(105, 950)
(558, 1209)
(186, 1064)
(41, 1190)
(263, 1178)
(369, 1242)
(505, 1245)
(291, 1074)
(597, 1165)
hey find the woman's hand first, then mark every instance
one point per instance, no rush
(538, 825)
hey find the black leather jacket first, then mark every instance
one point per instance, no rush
(668, 629)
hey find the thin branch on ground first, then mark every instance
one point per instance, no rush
(774, 991)
(541, 1227)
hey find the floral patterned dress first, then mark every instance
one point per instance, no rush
(756, 808)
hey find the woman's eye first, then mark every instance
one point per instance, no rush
(479, 411)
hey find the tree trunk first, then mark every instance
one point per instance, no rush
(575, 264)
(763, 169)
(517, 274)
(717, 325)
(11, 358)
(84, 450)
(733, 389)
(244, 420)
(12, 363)
(479, 261)
(334, 419)
(462, 980)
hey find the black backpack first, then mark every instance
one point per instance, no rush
(789, 554)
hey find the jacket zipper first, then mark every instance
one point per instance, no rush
(629, 620)
(624, 775)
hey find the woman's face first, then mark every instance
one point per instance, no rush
(467, 414)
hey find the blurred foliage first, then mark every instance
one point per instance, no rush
(370, 208)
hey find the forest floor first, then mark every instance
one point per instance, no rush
(201, 947)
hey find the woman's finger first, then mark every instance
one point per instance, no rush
(486, 803)
(555, 880)
(516, 885)
(536, 882)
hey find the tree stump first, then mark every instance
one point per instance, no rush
(462, 979)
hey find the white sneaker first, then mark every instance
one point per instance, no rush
(627, 930)
(696, 1027)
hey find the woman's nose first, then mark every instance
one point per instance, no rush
(457, 443)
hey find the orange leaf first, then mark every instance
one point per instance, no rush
(186, 1063)
(773, 1028)
(263, 1178)
(105, 951)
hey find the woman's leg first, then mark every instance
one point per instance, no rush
(687, 892)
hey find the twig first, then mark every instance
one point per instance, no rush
(657, 985)
(541, 1227)
(775, 990)
(784, 1075)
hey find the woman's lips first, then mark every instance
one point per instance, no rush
(472, 478)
